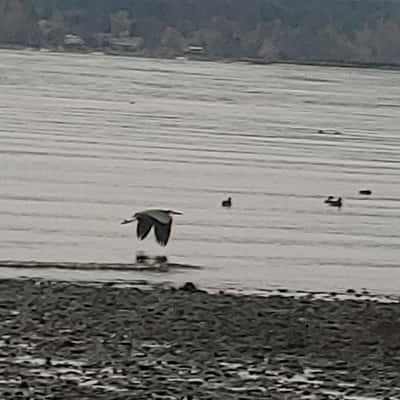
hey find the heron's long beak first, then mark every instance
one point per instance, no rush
(176, 212)
(127, 221)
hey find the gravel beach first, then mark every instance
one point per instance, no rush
(63, 340)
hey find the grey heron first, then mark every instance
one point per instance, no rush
(227, 203)
(160, 219)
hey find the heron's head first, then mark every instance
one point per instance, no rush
(129, 220)
(174, 212)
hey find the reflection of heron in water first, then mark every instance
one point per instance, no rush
(160, 219)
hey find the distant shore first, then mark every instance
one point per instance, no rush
(327, 64)
(109, 341)
(248, 60)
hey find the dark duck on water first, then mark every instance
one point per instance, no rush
(334, 202)
(227, 202)
(329, 199)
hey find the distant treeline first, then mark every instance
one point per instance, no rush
(303, 30)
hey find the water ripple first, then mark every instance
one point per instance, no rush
(85, 143)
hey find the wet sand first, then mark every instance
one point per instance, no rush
(62, 340)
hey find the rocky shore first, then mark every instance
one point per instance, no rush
(63, 340)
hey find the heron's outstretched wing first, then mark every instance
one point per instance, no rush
(143, 227)
(163, 232)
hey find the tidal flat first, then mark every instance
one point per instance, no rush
(63, 340)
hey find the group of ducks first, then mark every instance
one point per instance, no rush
(334, 202)
(338, 201)
(331, 200)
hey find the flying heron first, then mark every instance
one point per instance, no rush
(160, 219)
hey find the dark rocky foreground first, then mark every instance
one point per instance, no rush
(70, 341)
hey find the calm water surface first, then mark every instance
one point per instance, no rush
(86, 140)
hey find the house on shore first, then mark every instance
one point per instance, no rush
(196, 52)
(72, 42)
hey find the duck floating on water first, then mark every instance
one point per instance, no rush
(329, 199)
(334, 202)
(365, 192)
(227, 202)
(329, 132)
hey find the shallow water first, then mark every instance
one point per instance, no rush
(86, 140)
